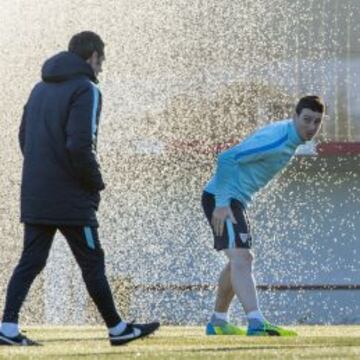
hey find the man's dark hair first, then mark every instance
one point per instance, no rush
(312, 102)
(85, 43)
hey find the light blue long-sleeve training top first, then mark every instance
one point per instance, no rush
(247, 167)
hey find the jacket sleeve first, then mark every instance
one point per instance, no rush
(225, 172)
(81, 135)
(21, 134)
(257, 147)
(265, 142)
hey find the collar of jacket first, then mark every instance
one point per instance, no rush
(294, 137)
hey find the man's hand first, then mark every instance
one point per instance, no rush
(219, 216)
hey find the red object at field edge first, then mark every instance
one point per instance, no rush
(338, 148)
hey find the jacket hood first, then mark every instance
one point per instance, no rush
(66, 66)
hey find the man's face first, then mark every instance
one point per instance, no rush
(95, 61)
(308, 123)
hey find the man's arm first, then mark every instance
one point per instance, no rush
(21, 134)
(225, 171)
(257, 147)
(80, 129)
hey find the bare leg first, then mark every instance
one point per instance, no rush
(242, 279)
(225, 292)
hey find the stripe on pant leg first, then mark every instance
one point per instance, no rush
(89, 237)
(231, 234)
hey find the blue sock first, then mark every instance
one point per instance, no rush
(10, 329)
(215, 321)
(118, 329)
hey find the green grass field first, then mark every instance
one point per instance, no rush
(314, 342)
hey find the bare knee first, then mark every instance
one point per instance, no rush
(250, 256)
(227, 267)
(241, 259)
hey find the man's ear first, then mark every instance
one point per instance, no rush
(92, 58)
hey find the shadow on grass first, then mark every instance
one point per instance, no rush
(72, 339)
(197, 350)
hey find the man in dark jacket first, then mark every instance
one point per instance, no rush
(61, 182)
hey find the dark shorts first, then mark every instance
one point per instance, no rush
(234, 235)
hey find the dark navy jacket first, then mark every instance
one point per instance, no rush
(61, 178)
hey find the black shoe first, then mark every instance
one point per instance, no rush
(133, 332)
(20, 340)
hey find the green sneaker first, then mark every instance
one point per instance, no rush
(266, 329)
(227, 329)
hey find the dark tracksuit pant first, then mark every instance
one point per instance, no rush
(86, 248)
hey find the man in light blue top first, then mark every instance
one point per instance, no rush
(242, 171)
